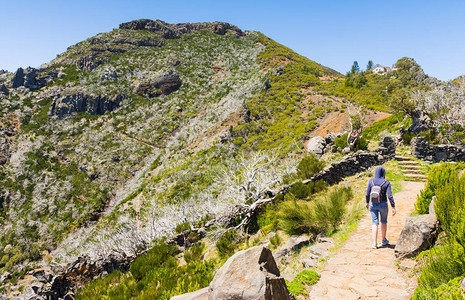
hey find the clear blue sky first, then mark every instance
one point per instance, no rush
(333, 33)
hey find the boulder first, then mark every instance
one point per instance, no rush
(249, 274)
(163, 84)
(316, 145)
(27, 78)
(419, 234)
(292, 245)
(44, 276)
(330, 138)
(197, 295)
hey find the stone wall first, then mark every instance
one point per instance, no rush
(435, 153)
(357, 162)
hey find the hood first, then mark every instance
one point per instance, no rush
(379, 173)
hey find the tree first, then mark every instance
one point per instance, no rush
(355, 68)
(370, 65)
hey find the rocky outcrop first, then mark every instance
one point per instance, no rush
(419, 234)
(4, 90)
(421, 149)
(174, 31)
(293, 244)
(4, 150)
(420, 122)
(316, 145)
(62, 281)
(28, 79)
(320, 145)
(77, 101)
(163, 84)
(357, 162)
(249, 274)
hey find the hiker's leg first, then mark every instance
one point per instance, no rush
(383, 230)
(383, 211)
(374, 231)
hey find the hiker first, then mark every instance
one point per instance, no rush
(379, 189)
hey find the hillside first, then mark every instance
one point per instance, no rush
(133, 132)
(139, 119)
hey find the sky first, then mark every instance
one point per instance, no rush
(334, 33)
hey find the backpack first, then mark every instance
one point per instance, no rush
(375, 194)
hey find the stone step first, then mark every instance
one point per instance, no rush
(402, 158)
(409, 162)
(419, 177)
(412, 171)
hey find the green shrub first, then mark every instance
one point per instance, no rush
(301, 217)
(330, 210)
(373, 131)
(309, 166)
(227, 244)
(450, 208)
(183, 227)
(154, 275)
(438, 177)
(362, 143)
(194, 253)
(439, 265)
(301, 280)
(296, 217)
(407, 137)
(276, 240)
(341, 142)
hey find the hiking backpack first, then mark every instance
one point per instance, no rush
(375, 194)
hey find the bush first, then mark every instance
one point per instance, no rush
(303, 190)
(438, 177)
(183, 227)
(154, 275)
(439, 265)
(194, 253)
(302, 217)
(226, 245)
(450, 208)
(309, 166)
(341, 142)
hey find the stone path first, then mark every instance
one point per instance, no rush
(356, 271)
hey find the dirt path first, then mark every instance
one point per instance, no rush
(356, 271)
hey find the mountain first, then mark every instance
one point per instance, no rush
(134, 132)
(138, 120)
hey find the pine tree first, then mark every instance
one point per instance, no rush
(370, 65)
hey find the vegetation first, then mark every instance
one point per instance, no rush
(325, 212)
(301, 281)
(439, 176)
(154, 275)
(442, 267)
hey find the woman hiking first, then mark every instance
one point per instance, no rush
(378, 191)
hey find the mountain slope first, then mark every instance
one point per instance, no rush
(134, 125)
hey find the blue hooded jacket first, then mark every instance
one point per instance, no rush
(385, 189)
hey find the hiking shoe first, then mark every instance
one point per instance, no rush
(385, 242)
(374, 246)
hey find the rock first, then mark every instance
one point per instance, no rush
(463, 285)
(197, 295)
(109, 75)
(435, 153)
(174, 31)
(77, 101)
(4, 90)
(28, 79)
(18, 78)
(316, 145)
(330, 138)
(163, 84)
(292, 245)
(249, 274)
(418, 234)
(43, 276)
(420, 122)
